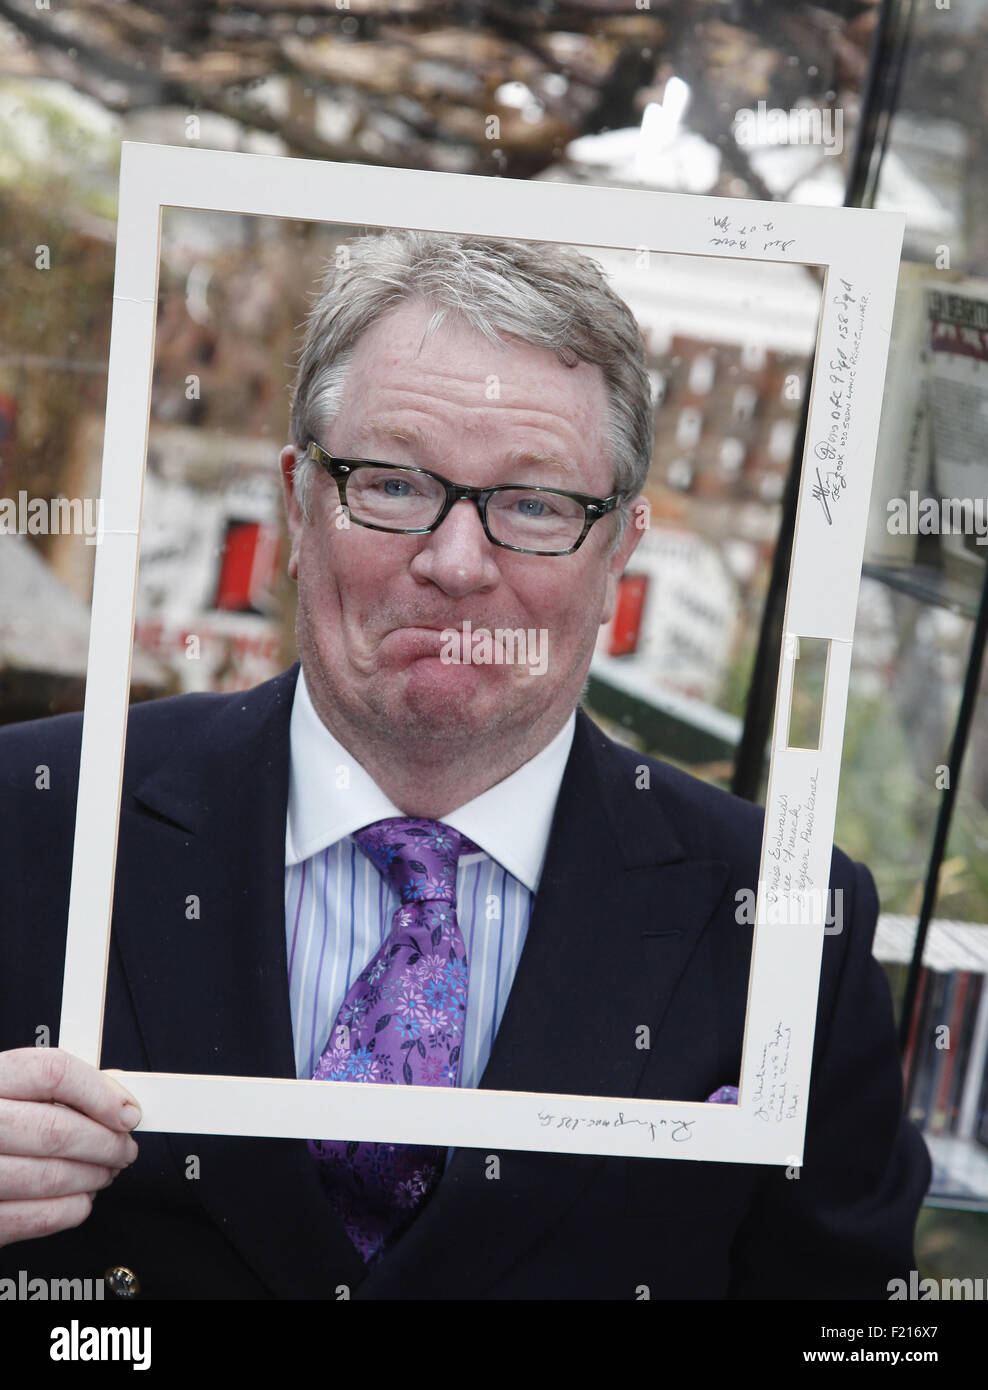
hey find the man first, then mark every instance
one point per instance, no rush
(471, 431)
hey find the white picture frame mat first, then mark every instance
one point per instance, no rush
(854, 246)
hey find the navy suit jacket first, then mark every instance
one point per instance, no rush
(634, 923)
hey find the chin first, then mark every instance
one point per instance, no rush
(446, 702)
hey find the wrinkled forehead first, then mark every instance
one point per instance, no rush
(418, 380)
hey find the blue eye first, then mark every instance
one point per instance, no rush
(536, 507)
(393, 486)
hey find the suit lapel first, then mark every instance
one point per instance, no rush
(211, 828)
(618, 916)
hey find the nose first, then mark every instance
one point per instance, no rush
(457, 557)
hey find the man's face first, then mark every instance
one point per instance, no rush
(373, 605)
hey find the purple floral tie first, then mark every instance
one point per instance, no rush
(401, 1022)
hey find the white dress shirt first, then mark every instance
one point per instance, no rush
(338, 908)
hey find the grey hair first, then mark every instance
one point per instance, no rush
(546, 295)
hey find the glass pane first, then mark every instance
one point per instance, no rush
(388, 498)
(730, 349)
(907, 672)
(948, 1043)
(55, 339)
(935, 165)
(215, 610)
(535, 520)
(730, 100)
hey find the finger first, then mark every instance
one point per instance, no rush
(48, 1073)
(35, 1130)
(32, 1178)
(29, 1220)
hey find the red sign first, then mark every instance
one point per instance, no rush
(626, 625)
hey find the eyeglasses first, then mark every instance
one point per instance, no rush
(415, 501)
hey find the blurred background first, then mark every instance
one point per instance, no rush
(844, 101)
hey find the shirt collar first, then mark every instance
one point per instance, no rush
(330, 795)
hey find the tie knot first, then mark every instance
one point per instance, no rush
(417, 857)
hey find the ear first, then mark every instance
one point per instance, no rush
(296, 521)
(635, 528)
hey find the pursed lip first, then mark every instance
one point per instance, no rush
(416, 640)
(419, 640)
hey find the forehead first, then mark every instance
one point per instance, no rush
(456, 384)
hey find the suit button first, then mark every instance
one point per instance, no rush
(122, 1281)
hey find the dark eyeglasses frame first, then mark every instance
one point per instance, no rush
(341, 469)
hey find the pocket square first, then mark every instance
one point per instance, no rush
(724, 1095)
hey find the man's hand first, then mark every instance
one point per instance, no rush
(63, 1137)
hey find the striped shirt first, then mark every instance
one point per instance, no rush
(338, 908)
(339, 911)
